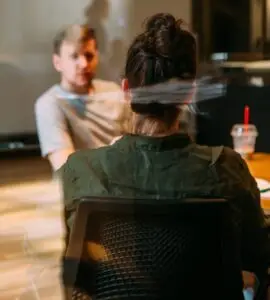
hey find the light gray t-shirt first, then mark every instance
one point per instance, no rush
(66, 120)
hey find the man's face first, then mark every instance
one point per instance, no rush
(77, 64)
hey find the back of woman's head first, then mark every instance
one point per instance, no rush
(165, 50)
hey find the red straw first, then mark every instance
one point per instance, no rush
(246, 115)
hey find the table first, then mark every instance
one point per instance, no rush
(259, 167)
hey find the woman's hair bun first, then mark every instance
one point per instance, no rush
(161, 21)
(162, 33)
(166, 49)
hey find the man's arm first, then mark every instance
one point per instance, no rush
(59, 157)
(54, 137)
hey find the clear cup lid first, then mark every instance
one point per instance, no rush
(243, 129)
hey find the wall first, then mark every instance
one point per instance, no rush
(27, 28)
(256, 24)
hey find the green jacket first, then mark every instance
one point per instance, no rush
(170, 167)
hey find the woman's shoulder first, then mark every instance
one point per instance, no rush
(217, 154)
(232, 166)
(226, 160)
(95, 159)
(87, 155)
(231, 157)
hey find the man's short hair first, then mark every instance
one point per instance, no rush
(77, 34)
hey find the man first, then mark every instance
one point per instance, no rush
(80, 112)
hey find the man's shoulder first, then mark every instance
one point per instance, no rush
(103, 86)
(48, 98)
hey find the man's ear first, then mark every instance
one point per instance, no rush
(56, 62)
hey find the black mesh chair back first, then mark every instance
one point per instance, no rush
(153, 249)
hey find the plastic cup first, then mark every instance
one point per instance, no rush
(244, 139)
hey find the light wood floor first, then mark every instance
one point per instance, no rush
(31, 231)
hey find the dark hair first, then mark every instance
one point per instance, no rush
(165, 50)
(77, 33)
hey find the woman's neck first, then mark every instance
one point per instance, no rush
(152, 127)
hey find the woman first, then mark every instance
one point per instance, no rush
(156, 158)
